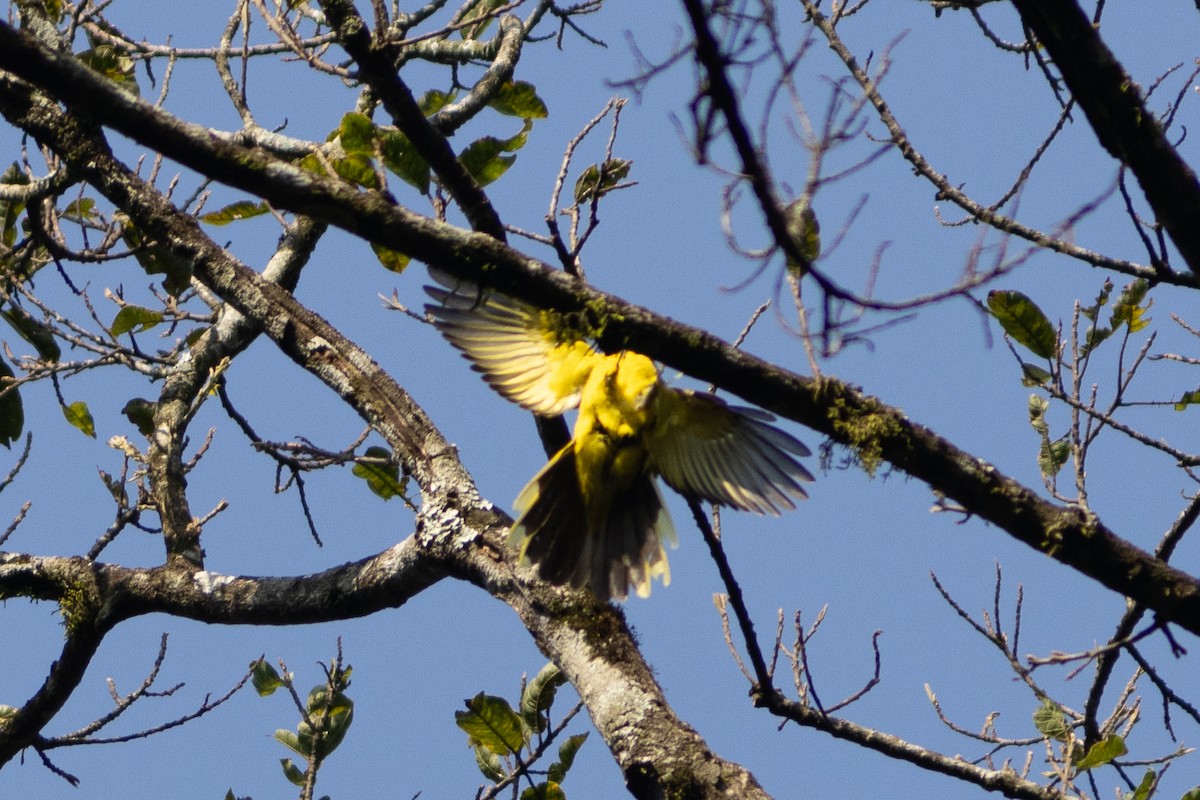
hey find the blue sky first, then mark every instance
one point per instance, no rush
(861, 547)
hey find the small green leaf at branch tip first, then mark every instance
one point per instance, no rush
(1129, 309)
(12, 412)
(1143, 790)
(113, 64)
(805, 230)
(1037, 413)
(1052, 456)
(489, 764)
(265, 678)
(357, 168)
(1051, 722)
(290, 740)
(382, 479)
(134, 318)
(80, 416)
(155, 259)
(81, 210)
(484, 158)
(1190, 794)
(435, 100)
(491, 722)
(519, 99)
(402, 160)
(566, 757)
(140, 412)
(242, 209)
(392, 260)
(539, 696)
(1022, 320)
(483, 12)
(1189, 398)
(1102, 752)
(1033, 375)
(544, 791)
(598, 180)
(33, 331)
(357, 133)
(290, 771)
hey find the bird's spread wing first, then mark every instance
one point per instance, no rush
(729, 455)
(526, 354)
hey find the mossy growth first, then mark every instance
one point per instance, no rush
(78, 605)
(864, 427)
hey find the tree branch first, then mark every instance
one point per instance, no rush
(875, 430)
(1126, 128)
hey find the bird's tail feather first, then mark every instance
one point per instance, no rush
(626, 548)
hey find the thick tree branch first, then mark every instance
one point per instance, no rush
(1126, 128)
(377, 65)
(874, 429)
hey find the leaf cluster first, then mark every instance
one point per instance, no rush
(507, 741)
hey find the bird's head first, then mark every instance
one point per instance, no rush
(635, 379)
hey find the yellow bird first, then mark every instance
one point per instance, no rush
(593, 516)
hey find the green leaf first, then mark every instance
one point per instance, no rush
(544, 791)
(358, 134)
(81, 210)
(265, 678)
(1033, 375)
(80, 416)
(229, 795)
(1037, 413)
(598, 180)
(12, 413)
(392, 260)
(10, 210)
(242, 209)
(1128, 310)
(489, 764)
(1094, 336)
(566, 757)
(1102, 752)
(539, 696)
(131, 318)
(1188, 399)
(491, 722)
(400, 157)
(292, 741)
(1142, 792)
(33, 331)
(484, 159)
(519, 99)
(290, 771)
(335, 716)
(140, 412)
(53, 9)
(434, 101)
(1051, 722)
(382, 479)
(357, 168)
(113, 64)
(157, 259)
(805, 231)
(1053, 455)
(481, 12)
(1023, 321)
(1190, 794)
